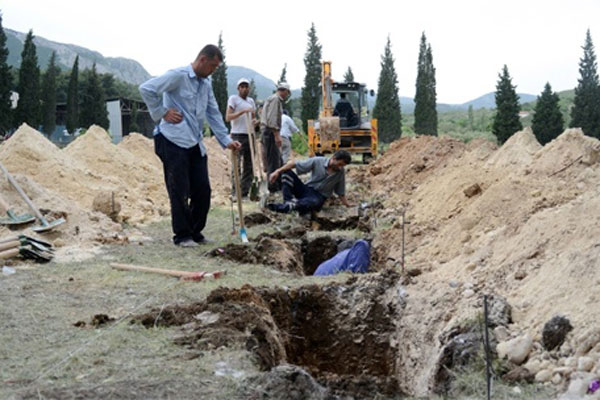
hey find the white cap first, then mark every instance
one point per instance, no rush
(243, 80)
(283, 85)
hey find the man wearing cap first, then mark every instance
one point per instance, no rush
(270, 126)
(240, 107)
(179, 102)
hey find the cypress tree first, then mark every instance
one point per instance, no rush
(547, 121)
(5, 85)
(29, 109)
(283, 78)
(387, 106)
(311, 91)
(585, 113)
(252, 93)
(93, 104)
(219, 82)
(506, 120)
(49, 96)
(349, 76)
(133, 126)
(72, 116)
(425, 96)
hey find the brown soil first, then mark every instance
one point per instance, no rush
(325, 329)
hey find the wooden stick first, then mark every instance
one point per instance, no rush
(185, 275)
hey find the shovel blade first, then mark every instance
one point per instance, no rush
(14, 219)
(48, 225)
(243, 235)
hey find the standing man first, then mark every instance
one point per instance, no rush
(240, 107)
(270, 125)
(288, 127)
(180, 101)
(327, 177)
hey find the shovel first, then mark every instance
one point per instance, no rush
(257, 165)
(36, 255)
(23, 240)
(46, 226)
(238, 193)
(251, 144)
(14, 219)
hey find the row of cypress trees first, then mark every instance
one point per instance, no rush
(38, 92)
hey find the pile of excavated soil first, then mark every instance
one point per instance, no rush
(66, 182)
(528, 233)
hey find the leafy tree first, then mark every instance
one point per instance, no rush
(93, 103)
(133, 126)
(282, 78)
(252, 94)
(72, 114)
(49, 96)
(219, 82)
(506, 120)
(5, 84)
(426, 119)
(387, 106)
(585, 113)
(349, 76)
(28, 109)
(311, 91)
(548, 120)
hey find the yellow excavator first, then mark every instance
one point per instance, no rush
(345, 126)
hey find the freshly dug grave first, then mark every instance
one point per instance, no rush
(326, 330)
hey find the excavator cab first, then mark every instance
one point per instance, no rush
(344, 121)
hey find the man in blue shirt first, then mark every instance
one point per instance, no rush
(180, 101)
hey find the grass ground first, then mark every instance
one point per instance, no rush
(43, 355)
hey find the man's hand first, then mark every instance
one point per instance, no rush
(235, 145)
(274, 175)
(173, 116)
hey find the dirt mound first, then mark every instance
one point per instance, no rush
(526, 234)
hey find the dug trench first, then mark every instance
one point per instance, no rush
(343, 334)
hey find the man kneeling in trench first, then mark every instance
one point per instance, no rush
(327, 176)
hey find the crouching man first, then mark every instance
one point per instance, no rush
(327, 177)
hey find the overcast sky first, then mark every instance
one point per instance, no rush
(539, 40)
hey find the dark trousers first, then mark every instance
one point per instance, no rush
(273, 156)
(188, 185)
(246, 165)
(307, 198)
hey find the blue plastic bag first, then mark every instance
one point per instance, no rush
(355, 259)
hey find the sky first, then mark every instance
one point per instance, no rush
(539, 40)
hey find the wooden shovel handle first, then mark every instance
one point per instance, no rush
(9, 245)
(238, 188)
(9, 253)
(4, 205)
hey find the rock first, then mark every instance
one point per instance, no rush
(499, 311)
(585, 364)
(501, 333)
(516, 350)
(587, 341)
(519, 374)
(468, 293)
(543, 376)
(107, 204)
(375, 170)
(285, 382)
(556, 379)
(555, 331)
(534, 366)
(472, 190)
(577, 387)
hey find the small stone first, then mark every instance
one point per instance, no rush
(472, 190)
(543, 376)
(556, 379)
(555, 331)
(534, 366)
(578, 387)
(501, 333)
(516, 350)
(585, 364)
(468, 293)
(520, 275)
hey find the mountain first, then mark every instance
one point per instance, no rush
(123, 69)
(264, 86)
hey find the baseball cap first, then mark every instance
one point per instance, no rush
(283, 85)
(243, 80)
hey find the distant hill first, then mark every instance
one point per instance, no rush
(123, 69)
